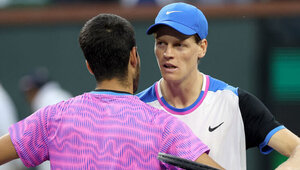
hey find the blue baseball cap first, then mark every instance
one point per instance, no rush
(183, 17)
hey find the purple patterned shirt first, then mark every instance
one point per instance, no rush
(103, 130)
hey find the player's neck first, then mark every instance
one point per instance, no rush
(183, 94)
(116, 85)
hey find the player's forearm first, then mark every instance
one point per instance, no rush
(284, 141)
(7, 150)
(207, 160)
(293, 162)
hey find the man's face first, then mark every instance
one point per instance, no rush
(177, 54)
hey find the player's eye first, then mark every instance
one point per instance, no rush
(160, 43)
(178, 45)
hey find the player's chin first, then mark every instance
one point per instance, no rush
(170, 77)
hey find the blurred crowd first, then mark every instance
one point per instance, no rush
(39, 90)
(9, 3)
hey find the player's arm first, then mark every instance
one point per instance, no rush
(258, 121)
(7, 149)
(288, 144)
(292, 162)
(256, 114)
(284, 141)
(207, 160)
(179, 140)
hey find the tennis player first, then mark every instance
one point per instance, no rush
(109, 127)
(228, 119)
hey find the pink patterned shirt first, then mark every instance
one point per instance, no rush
(103, 130)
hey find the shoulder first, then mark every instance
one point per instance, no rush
(56, 109)
(259, 122)
(219, 85)
(148, 95)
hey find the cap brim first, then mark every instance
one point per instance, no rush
(178, 27)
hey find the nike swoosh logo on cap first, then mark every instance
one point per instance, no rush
(170, 12)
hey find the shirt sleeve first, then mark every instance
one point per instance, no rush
(178, 140)
(259, 122)
(29, 138)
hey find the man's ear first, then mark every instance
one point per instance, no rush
(88, 67)
(133, 59)
(203, 46)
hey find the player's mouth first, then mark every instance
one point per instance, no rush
(169, 67)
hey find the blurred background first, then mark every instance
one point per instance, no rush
(253, 44)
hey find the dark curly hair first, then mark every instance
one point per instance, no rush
(106, 41)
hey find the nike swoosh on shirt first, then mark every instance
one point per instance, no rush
(214, 128)
(170, 12)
